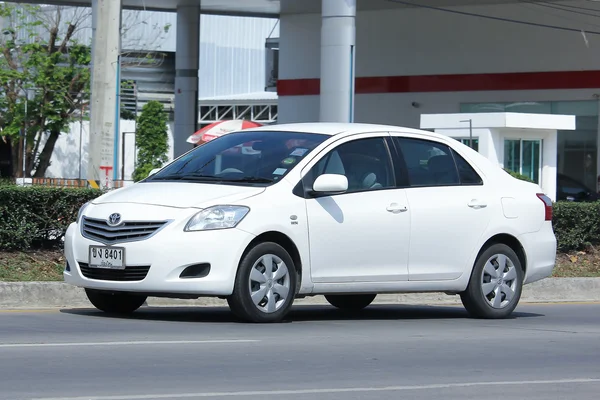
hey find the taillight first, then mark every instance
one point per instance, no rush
(547, 206)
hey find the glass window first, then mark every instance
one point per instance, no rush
(468, 176)
(512, 155)
(365, 162)
(523, 157)
(577, 151)
(428, 163)
(467, 142)
(245, 157)
(531, 159)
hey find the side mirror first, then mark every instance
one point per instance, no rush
(155, 170)
(330, 183)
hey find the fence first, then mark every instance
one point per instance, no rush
(60, 182)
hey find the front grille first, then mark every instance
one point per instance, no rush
(99, 230)
(129, 274)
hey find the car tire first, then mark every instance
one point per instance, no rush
(253, 279)
(115, 302)
(350, 302)
(495, 285)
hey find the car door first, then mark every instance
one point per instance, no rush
(361, 235)
(450, 209)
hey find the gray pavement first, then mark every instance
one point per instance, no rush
(547, 351)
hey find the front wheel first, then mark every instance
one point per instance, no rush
(265, 285)
(496, 284)
(350, 302)
(115, 302)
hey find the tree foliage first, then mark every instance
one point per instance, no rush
(45, 76)
(152, 140)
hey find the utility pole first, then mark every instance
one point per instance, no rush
(106, 48)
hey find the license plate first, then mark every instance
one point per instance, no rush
(107, 257)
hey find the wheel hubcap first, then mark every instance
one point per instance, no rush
(269, 283)
(499, 281)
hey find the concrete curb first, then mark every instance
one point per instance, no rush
(20, 295)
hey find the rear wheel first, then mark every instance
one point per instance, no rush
(350, 302)
(115, 302)
(496, 284)
(265, 285)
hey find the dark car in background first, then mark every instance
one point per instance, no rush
(569, 189)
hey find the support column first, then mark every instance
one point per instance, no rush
(104, 118)
(338, 37)
(186, 76)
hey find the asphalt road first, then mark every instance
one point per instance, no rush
(387, 352)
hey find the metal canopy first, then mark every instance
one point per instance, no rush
(266, 8)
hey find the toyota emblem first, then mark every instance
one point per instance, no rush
(114, 219)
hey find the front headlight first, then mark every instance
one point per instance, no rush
(81, 210)
(217, 217)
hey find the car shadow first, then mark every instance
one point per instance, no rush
(299, 313)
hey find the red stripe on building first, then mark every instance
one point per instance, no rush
(453, 83)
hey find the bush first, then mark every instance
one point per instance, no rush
(37, 217)
(519, 176)
(576, 225)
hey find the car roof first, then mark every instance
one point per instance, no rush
(341, 128)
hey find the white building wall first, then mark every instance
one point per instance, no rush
(72, 147)
(409, 42)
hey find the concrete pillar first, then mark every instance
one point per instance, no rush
(186, 76)
(104, 118)
(338, 36)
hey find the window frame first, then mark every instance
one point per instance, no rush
(304, 189)
(398, 153)
(521, 142)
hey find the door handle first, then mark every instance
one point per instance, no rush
(395, 208)
(477, 204)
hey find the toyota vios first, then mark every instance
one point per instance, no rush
(263, 216)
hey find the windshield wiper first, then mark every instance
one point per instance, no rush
(211, 178)
(250, 179)
(194, 177)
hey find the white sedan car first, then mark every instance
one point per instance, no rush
(263, 216)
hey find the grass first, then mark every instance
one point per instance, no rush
(578, 264)
(48, 265)
(31, 266)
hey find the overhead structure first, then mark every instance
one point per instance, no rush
(338, 36)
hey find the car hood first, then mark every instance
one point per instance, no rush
(178, 194)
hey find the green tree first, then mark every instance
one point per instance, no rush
(152, 139)
(45, 76)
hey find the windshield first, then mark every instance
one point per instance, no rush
(245, 157)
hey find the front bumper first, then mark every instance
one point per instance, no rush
(164, 255)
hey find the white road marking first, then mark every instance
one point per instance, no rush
(324, 391)
(128, 343)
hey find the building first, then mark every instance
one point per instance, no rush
(460, 57)
(390, 61)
